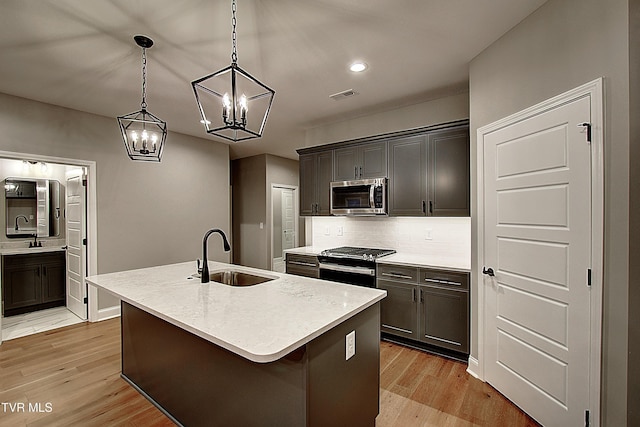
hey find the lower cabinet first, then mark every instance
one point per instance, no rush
(302, 265)
(33, 282)
(426, 305)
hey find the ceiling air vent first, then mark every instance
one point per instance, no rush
(344, 94)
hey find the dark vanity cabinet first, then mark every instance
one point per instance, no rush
(429, 174)
(428, 306)
(33, 282)
(302, 265)
(316, 174)
(361, 161)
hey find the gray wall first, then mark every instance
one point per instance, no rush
(633, 374)
(148, 213)
(562, 45)
(249, 211)
(252, 179)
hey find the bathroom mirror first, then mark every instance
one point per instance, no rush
(32, 206)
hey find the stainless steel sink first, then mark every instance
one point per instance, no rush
(237, 278)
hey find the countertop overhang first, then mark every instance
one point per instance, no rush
(262, 323)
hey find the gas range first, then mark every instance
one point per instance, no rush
(347, 264)
(350, 252)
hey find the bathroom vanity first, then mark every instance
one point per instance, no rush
(277, 350)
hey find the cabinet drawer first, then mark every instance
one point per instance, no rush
(397, 273)
(445, 279)
(302, 260)
(302, 265)
(35, 258)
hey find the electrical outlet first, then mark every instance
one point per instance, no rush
(350, 345)
(340, 231)
(327, 231)
(428, 234)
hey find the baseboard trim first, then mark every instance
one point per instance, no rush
(473, 367)
(108, 313)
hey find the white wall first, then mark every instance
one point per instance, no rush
(148, 213)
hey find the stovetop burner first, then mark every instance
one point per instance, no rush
(351, 252)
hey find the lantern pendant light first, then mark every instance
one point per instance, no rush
(143, 133)
(233, 104)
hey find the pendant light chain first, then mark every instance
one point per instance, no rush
(234, 54)
(143, 104)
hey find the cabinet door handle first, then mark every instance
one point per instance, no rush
(442, 282)
(306, 264)
(424, 207)
(38, 272)
(355, 172)
(430, 207)
(360, 171)
(44, 271)
(413, 294)
(421, 296)
(397, 275)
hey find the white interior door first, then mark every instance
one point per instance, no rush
(76, 250)
(288, 219)
(537, 239)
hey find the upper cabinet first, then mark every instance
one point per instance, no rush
(362, 161)
(429, 174)
(427, 170)
(316, 174)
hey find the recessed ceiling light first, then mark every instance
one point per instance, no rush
(358, 67)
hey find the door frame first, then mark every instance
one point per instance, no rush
(594, 90)
(296, 215)
(92, 219)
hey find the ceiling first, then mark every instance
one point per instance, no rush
(80, 54)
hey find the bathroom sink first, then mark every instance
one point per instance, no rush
(237, 278)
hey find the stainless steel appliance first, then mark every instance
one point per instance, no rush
(352, 265)
(360, 197)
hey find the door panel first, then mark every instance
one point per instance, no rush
(537, 225)
(76, 255)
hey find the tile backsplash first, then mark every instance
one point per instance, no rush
(420, 236)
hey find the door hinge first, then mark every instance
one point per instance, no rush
(85, 300)
(84, 241)
(84, 182)
(588, 126)
(588, 277)
(587, 419)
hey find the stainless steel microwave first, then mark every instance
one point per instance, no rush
(360, 197)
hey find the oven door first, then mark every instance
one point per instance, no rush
(350, 274)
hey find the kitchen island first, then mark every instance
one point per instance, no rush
(274, 353)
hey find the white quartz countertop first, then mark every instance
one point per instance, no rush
(447, 261)
(22, 251)
(262, 323)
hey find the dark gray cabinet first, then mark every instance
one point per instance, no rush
(429, 174)
(360, 161)
(316, 174)
(33, 282)
(425, 305)
(302, 265)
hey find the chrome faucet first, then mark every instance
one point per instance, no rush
(204, 275)
(18, 217)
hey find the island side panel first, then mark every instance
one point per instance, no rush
(201, 384)
(346, 392)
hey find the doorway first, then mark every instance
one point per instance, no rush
(284, 223)
(58, 169)
(540, 243)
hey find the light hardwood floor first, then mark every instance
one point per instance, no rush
(71, 376)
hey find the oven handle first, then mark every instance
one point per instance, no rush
(348, 269)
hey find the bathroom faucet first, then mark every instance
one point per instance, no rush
(18, 217)
(204, 275)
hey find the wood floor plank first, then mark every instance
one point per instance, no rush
(76, 369)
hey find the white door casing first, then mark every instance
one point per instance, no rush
(540, 230)
(76, 250)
